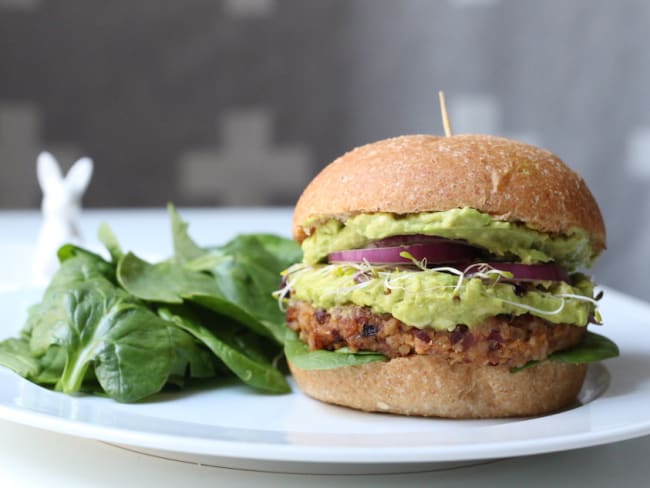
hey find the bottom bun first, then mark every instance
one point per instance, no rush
(425, 386)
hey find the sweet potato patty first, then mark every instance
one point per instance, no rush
(500, 340)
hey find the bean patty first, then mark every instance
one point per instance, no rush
(500, 340)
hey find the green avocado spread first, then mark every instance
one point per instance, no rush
(502, 239)
(430, 298)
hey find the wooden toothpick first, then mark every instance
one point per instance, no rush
(445, 116)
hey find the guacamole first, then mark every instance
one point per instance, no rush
(512, 241)
(429, 298)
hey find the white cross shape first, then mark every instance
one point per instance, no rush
(637, 160)
(19, 145)
(247, 169)
(474, 3)
(25, 5)
(248, 8)
(482, 114)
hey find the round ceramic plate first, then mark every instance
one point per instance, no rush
(233, 426)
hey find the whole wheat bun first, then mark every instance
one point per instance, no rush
(425, 386)
(507, 179)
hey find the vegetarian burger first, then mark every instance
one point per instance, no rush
(440, 278)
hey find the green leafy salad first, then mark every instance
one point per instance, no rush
(128, 328)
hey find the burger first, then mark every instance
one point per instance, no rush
(441, 277)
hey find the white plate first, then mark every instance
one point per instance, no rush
(235, 427)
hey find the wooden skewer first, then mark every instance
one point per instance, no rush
(445, 116)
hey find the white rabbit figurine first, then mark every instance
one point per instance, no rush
(61, 209)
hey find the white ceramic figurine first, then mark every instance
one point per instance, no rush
(61, 209)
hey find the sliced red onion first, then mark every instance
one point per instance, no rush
(403, 249)
(441, 251)
(523, 272)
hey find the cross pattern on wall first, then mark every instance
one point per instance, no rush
(248, 8)
(247, 168)
(637, 163)
(637, 158)
(20, 142)
(23, 5)
(19, 145)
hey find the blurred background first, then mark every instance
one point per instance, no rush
(241, 102)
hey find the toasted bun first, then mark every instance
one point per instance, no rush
(425, 386)
(507, 179)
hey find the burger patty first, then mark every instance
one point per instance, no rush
(500, 340)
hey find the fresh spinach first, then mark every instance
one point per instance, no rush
(91, 264)
(251, 370)
(47, 321)
(191, 359)
(593, 348)
(185, 249)
(299, 354)
(170, 282)
(16, 355)
(166, 282)
(128, 345)
(109, 239)
(254, 267)
(51, 366)
(126, 328)
(235, 279)
(94, 323)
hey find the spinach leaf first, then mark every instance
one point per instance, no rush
(242, 338)
(185, 249)
(299, 354)
(166, 282)
(266, 250)
(253, 272)
(247, 269)
(249, 287)
(109, 239)
(86, 327)
(206, 262)
(16, 355)
(252, 371)
(47, 320)
(191, 359)
(170, 282)
(94, 265)
(51, 366)
(129, 345)
(593, 348)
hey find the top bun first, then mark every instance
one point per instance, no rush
(506, 179)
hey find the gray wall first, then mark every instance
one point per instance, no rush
(240, 102)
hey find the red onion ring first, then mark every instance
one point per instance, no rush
(442, 251)
(525, 272)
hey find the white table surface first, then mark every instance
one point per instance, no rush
(34, 457)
